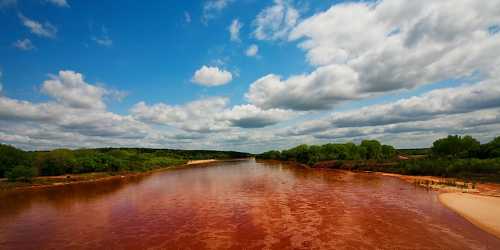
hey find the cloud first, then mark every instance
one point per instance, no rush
(208, 115)
(365, 49)
(234, 30)
(249, 116)
(70, 88)
(252, 50)
(66, 121)
(196, 116)
(462, 99)
(276, 21)
(211, 8)
(414, 112)
(104, 39)
(319, 90)
(211, 76)
(59, 3)
(24, 44)
(44, 30)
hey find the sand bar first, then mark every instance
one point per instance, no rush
(482, 211)
(200, 161)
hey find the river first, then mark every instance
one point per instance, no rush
(236, 205)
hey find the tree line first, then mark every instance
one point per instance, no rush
(453, 156)
(311, 154)
(16, 164)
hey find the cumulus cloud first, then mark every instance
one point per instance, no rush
(24, 44)
(211, 76)
(44, 30)
(464, 103)
(59, 3)
(234, 30)
(252, 50)
(70, 88)
(208, 115)
(66, 121)
(185, 116)
(386, 46)
(250, 116)
(319, 90)
(276, 21)
(463, 99)
(76, 116)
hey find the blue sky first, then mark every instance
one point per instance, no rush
(165, 74)
(154, 50)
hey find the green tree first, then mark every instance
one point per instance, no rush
(455, 146)
(11, 157)
(490, 149)
(373, 149)
(21, 173)
(388, 152)
(56, 162)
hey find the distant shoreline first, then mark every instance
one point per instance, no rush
(73, 179)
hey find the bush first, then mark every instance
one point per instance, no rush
(11, 157)
(21, 173)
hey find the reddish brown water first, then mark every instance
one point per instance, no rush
(238, 205)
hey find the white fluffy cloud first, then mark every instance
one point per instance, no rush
(24, 44)
(67, 120)
(70, 88)
(319, 90)
(196, 116)
(252, 50)
(234, 30)
(208, 115)
(45, 30)
(211, 76)
(276, 21)
(368, 48)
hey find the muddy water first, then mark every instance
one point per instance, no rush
(237, 205)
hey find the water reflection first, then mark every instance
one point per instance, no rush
(236, 205)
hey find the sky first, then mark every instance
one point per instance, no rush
(247, 75)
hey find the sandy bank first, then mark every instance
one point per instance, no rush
(200, 161)
(482, 211)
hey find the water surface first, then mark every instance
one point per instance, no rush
(236, 205)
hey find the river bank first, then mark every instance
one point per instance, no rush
(70, 179)
(478, 203)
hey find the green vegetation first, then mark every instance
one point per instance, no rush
(453, 156)
(21, 173)
(18, 165)
(310, 155)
